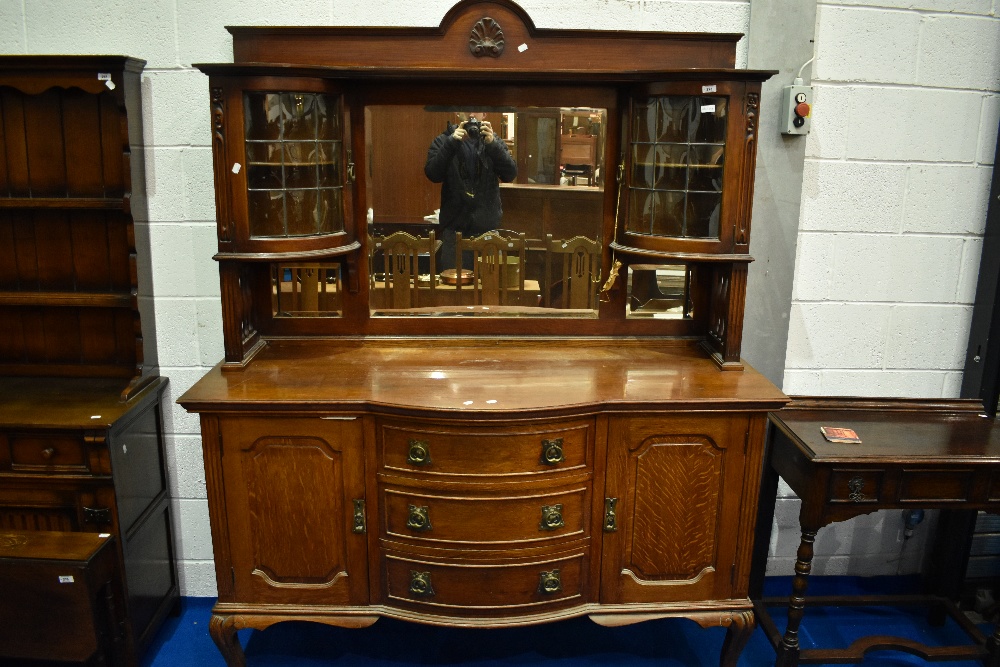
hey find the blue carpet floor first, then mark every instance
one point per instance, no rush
(184, 640)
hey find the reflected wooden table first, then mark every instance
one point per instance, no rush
(913, 455)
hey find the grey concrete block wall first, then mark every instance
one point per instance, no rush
(901, 150)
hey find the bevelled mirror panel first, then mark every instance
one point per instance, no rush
(661, 291)
(494, 212)
(306, 290)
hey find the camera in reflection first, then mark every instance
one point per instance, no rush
(472, 127)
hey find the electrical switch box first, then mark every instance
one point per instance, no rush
(796, 109)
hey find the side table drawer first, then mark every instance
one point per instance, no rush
(470, 588)
(485, 452)
(48, 453)
(855, 486)
(492, 521)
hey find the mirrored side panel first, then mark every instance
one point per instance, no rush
(661, 291)
(300, 290)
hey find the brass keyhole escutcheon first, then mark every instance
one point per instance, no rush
(420, 583)
(419, 453)
(419, 518)
(549, 582)
(856, 486)
(552, 452)
(552, 518)
(610, 515)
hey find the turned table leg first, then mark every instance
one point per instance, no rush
(788, 650)
(737, 636)
(222, 627)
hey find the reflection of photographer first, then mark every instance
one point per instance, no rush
(469, 161)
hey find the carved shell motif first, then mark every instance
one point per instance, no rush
(486, 38)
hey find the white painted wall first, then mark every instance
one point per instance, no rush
(894, 196)
(893, 204)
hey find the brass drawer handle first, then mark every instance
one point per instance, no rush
(549, 582)
(552, 518)
(856, 488)
(419, 453)
(48, 452)
(420, 584)
(552, 452)
(419, 518)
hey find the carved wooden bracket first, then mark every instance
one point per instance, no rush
(486, 38)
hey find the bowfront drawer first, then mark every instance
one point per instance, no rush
(486, 522)
(480, 587)
(487, 452)
(53, 453)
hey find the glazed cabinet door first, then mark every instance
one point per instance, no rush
(686, 181)
(283, 165)
(294, 496)
(672, 508)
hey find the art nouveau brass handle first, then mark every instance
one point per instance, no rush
(419, 453)
(359, 516)
(552, 452)
(420, 583)
(552, 518)
(419, 518)
(549, 582)
(856, 489)
(610, 515)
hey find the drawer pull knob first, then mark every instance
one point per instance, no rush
(552, 452)
(419, 518)
(48, 452)
(420, 584)
(856, 488)
(549, 582)
(419, 453)
(552, 518)
(610, 515)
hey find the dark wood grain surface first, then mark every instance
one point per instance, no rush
(71, 403)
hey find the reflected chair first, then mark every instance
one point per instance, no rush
(397, 260)
(498, 266)
(573, 271)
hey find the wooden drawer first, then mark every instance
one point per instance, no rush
(47, 453)
(855, 486)
(486, 588)
(488, 452)
(486, 521)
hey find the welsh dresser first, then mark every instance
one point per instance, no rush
(564, 429)
(81, 442)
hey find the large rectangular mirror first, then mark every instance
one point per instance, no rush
(484, 212)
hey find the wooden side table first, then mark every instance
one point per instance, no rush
(60, 598)
(914, 455)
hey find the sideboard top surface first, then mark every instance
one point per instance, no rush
(481, 376)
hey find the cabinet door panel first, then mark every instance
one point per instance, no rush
(289, 490)
(678, 482)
